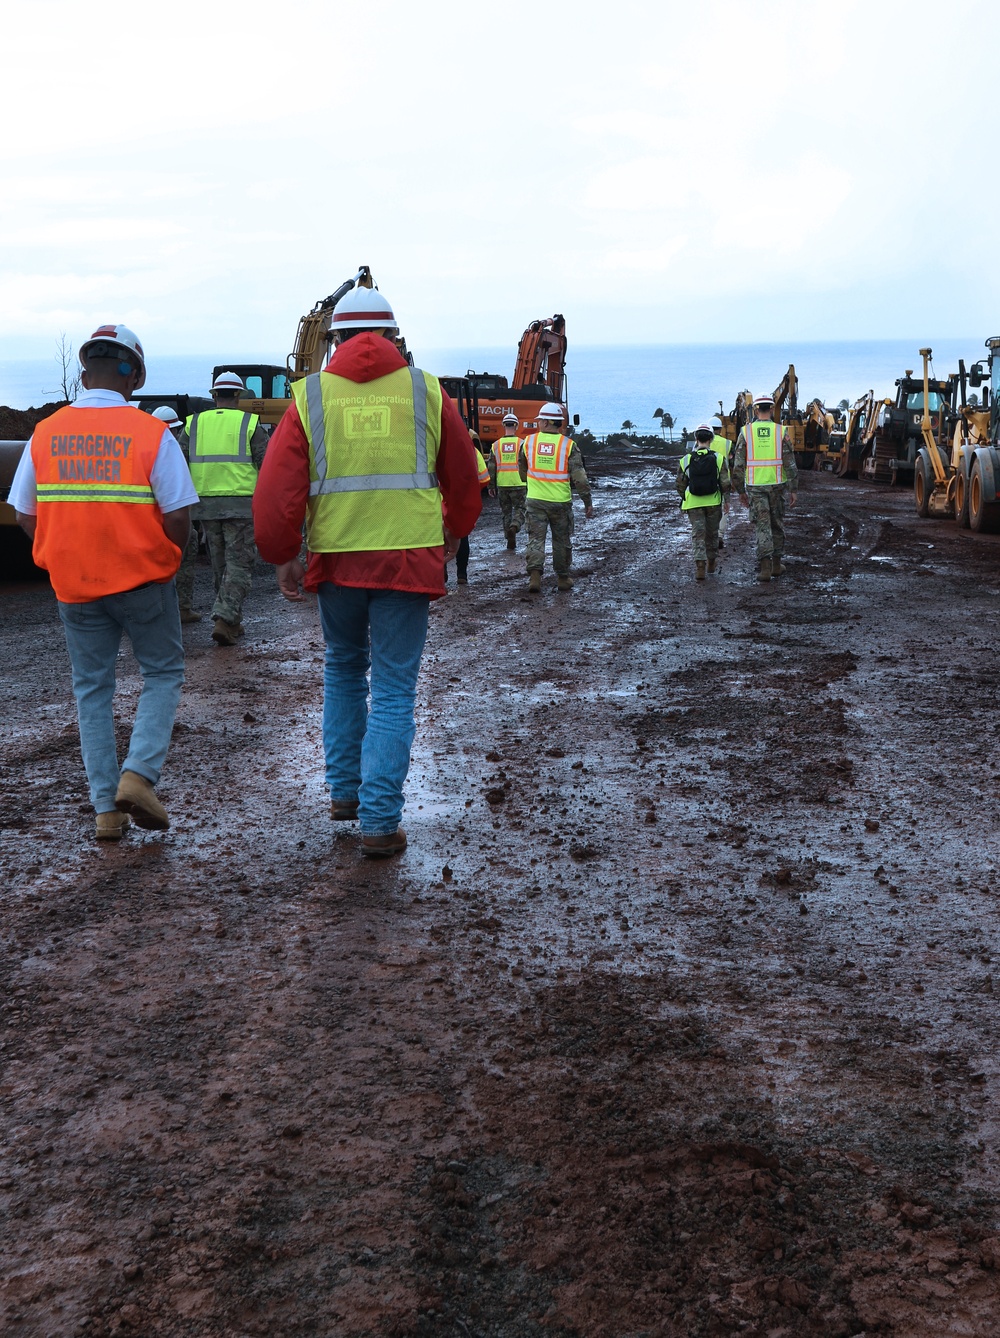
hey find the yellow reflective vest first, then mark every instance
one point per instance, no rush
(763, 441)
(505, 451)
(721, 448)
(219, 452)
(373, 450)
(484, 473)
(547, 456)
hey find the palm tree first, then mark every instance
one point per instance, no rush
(666, 421)
(628, 425)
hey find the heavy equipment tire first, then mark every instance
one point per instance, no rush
(922, 487)
(961, 498)
(984, 517)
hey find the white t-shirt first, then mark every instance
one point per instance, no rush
(170, 479)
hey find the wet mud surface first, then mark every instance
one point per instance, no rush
(676, 1018)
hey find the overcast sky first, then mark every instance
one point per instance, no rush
(709, 170)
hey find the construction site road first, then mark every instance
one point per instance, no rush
(676, 1018)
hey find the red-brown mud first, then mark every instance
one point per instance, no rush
(677, 1017)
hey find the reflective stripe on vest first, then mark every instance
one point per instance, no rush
(505, 452)
(372, 455)
(484, 473)
(219, 452)
(99, 531)
(547, 454)
(763, 454)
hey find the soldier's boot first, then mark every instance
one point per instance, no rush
(511, 541)
(699, 571)
(188, 615)
(764, 574)
(224, 634)
(565, 583)
(534, 582)
(712, 564)
(722, 542)
(777, 566)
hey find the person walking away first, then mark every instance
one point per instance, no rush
(463, 550)
(703, 481)
(225, 449)
(763, 474)
(185, 573)
(505, 477)
(377, 461)
(549, 464)
(104, 493)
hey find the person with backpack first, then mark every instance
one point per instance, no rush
(703, 481)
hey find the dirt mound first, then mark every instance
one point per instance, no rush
(18, 424)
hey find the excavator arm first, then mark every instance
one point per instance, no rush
(312, 338)
(541, 357)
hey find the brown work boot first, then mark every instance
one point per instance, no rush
(511, 541)
(225, 634)
(777, 567)
(699, 571)
(764, 574)
(712, 564)
(534, 582)
(343, 810)
(188, 615)
(564, 583)
(381, 847)
(112, 826)
(137, 797)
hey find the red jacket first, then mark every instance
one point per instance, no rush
(279, 503)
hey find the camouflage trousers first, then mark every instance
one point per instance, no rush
(512, 508)
(185, 574)
(233, 553)
(705, 531)
(542, 515)
(767, 516)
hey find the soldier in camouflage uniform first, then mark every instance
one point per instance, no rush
(228, 451)
(704, 508)
(504, 477)
(551, 466)
(772, 473)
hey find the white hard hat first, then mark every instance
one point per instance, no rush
(551, 410)
(705, 427)
(228, 381)
(363, 309)
(764, 399)
(116, 337)
(510, 418)
(167, 415)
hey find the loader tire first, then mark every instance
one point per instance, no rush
(984, 517)
(922, 487)
(961, 498)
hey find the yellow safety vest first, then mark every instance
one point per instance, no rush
(721, 447)
(373, 450)
(219, 452)
(547, 454)
(763, 454)
(505, 451)
(484, 473)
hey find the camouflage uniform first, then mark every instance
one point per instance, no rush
(705, 520)
(185, 574)
(512, 500)
(767, 505)
(558, 516)
(227, 524)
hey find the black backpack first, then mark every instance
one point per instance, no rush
(703, 473)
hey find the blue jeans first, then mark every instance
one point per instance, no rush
(93, 634)
(368, 752)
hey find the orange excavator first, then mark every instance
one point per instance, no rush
(539, 377)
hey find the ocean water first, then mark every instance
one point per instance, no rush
(609, 384)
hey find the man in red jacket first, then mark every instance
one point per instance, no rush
(376, 460)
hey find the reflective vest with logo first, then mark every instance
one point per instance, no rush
(720, 446)
(99, 530)
(219, 452)
(547, 454)
(763, 454)
(373, 450)
(484, 473)
(505, 450)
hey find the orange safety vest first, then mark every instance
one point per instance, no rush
(547, 456)
(98, 530)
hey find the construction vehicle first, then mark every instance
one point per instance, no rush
(893, 435)
(851, 443)
(539, 378)
(808, 430)
(965, 483)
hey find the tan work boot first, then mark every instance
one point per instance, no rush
(381, 847)
(699, 571)
(112, 826)
(534, 582)
(188, 615)
(777, 567)
(764, 574)
(564, 583)
(224, 634)
(137, 797)
(712, 564)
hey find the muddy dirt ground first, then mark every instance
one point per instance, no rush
(676, 1018)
